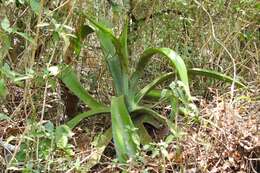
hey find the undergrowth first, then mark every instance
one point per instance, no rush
(37, 36)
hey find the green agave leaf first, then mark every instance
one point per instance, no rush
(69, 78)
(175, 60)
(145, 138)
(139, 121)
(151, 86)
(122, 51)
(116, 55)
(111, 49)
(100, 27)
(100, 143)
(152, 121)
(113, 62)
(124, 132)
(215, 75)
(78, 118)
(155, 94)
(123, 46)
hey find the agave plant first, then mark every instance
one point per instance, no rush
(128, 114)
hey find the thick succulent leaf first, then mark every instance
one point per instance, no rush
(100, 143)
(115, 54)
(120, 44)
(69, 78)
(175, 60)
(215, 75)
(150, 93)
(100, 27)
(154, 95)
(78, 118)
(112, 61)
(139, 121)
(124, 132)
(122, 51)
(151, 86)
(152, 121)
(123, 46)
(145, 138)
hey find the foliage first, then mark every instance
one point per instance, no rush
(36, 36)
(44, 142)
(126, 106)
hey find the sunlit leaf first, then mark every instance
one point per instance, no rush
(100, 143)
(62, 135)
(3, 89)
(4, 117)
(21, 1)
(215, 75)
(69, 78)
(5, 24)
(25, 36)
(145, 138)
(21, 78)
(151, 85)
(115, 54)
(124, 132)
(76, 120)
(35, 5)
(174, 59)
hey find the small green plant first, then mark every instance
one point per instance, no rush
(128, 114)
(46, 143)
